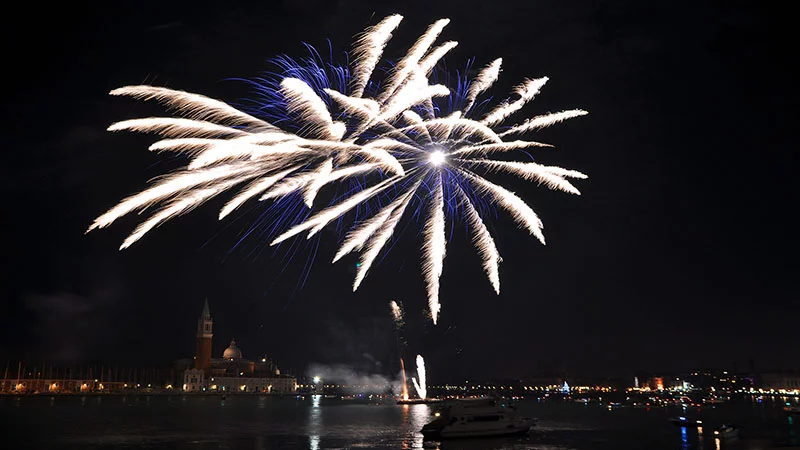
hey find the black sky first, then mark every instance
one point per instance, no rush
(681, 251)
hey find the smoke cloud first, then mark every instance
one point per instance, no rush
(356, 381)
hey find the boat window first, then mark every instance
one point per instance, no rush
(484, 418)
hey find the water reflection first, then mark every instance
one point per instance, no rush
(314, 427)
(261, 443)
(414, 417)
(495, 443)
(684, 439)
(262, 422)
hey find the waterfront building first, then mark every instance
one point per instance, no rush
(232, 372)
(781, 381)
(677, 384)
(59, 386)
(543, 381)
(653, 384)
(50, 379)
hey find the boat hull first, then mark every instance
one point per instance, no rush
(728, 434)
(465, 434)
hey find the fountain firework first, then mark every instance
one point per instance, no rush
(421, 386)
(404, 393)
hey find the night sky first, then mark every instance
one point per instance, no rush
(681, 252)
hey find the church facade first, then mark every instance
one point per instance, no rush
(231, 373)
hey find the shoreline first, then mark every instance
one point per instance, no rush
(122, 394)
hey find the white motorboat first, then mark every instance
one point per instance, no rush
(476, 418)
(726, 431)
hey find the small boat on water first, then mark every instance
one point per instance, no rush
(792, 409)
(685, 422)
(476, 418)
(726, 431)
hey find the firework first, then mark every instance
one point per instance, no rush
(406, 151)
(397, 314)
(404, 392)
(421, 385)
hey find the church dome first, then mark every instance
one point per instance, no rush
(232, 352)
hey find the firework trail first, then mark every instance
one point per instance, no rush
(391, 138)
(421, 385)
(397, 317)
(404, 392)
(397, 314)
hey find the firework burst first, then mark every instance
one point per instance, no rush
(391, 134)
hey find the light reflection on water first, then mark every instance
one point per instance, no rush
(684, 439)
(414, 417)
(314, 427)
(314, 422)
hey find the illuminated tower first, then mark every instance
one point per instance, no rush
(202, 356)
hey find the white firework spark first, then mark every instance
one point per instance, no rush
(434, 247)
(369, 49)
(430, 159)
(487, 76)
(422, 385)
(397, 314)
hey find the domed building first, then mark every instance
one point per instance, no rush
(233, 363)
(232, 372)
(232, 352)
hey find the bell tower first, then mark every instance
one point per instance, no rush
(202, 357)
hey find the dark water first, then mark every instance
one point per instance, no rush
(259, 422)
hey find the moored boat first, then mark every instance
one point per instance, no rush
(726, 431)
(685, 422)
(476, 418)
